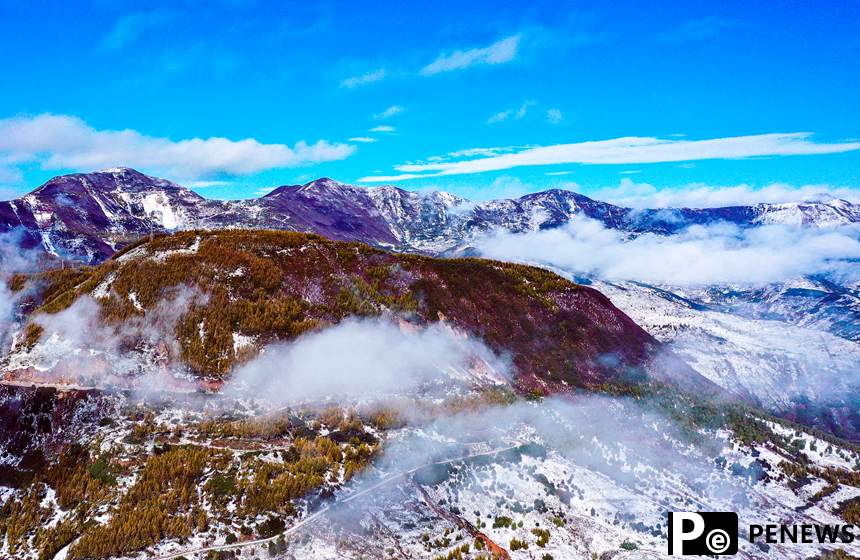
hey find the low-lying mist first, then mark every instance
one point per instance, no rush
(715, 254)
(13, 260)
(78, 347)
(632, 444)
(630, 194)
(363, 358)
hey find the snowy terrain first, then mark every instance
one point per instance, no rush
(86, 217)
(573, 479)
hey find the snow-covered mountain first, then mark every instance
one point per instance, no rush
(814, 302)
(790, 345)
(447, 473)
(793, 368)
(87, 217)
(589, 477)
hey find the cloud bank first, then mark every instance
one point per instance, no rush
(698, 195)
(66, 142)
(700, 255)
(629, 151)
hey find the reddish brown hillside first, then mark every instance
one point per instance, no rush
(277, 285)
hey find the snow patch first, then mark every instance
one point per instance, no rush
(157, 206)
(241, 341)
(103, 289)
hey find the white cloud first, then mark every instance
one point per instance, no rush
(13, 259)
(128, 29)
(382, 129)
(632, 151)
(502, 51)
(697, 195)
(363, 139)
(504, 115)
(204, 184)
(475, 152)
(701, 255)
(65, 142)
(390, 112)
(363, 79)
(553, 116)
(361, 358)
(508, 187)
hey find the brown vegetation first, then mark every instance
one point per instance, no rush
(278, 285)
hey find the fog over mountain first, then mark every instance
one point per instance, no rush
(302, 395)
(429, 281)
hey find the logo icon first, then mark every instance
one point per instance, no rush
(703, 533)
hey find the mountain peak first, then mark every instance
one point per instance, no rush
(327, 185)
(822, 198)
(107, 209)
(325, 182)
(121, 169)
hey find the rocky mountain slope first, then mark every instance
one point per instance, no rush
(87, 217)
(201, 303)
(792, 369)
(813, 302)
(452, 467)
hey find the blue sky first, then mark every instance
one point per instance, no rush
(480, 99)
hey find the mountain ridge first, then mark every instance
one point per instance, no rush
(264, 286)
(87, 217)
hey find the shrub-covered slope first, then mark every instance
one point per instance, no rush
(264, 286)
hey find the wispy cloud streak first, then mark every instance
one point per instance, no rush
(630, 151)
(390, 112)
(367, 78)
(502, 51)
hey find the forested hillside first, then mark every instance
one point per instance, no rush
(263, 286)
